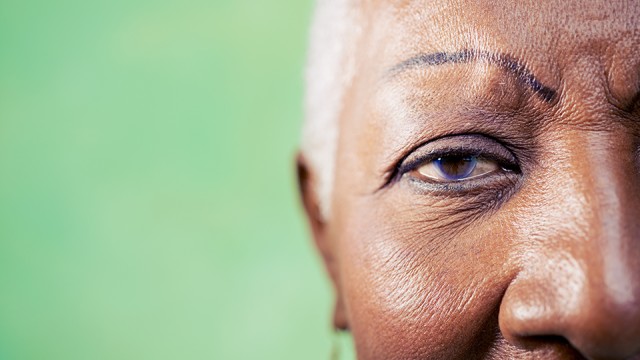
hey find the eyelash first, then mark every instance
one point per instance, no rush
(506, 167)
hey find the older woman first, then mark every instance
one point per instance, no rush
(471, 174)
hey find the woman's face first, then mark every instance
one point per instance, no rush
(487, 194)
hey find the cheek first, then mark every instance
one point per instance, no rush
(414, 290)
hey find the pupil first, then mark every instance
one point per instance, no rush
(456, 167)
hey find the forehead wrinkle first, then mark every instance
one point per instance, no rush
(552, 25)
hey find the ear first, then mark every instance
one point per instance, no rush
(307, 183)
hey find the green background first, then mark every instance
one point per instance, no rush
(147, 195)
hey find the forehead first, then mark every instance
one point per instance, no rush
(528, 27)
(574, 14)
(559, 41)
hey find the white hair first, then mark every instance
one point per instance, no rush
(330, 69)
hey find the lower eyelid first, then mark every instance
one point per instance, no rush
(477, 197)
(474, 186)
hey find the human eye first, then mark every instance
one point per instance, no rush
(450, 168)
(459, 163)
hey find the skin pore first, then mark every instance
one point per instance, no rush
(486, 192)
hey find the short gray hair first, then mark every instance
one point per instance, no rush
(330, 69)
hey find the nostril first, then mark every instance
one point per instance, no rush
(534, 341)
(556, 346)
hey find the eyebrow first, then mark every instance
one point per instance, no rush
(466, 56)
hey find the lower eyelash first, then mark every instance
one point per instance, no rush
(472, 186)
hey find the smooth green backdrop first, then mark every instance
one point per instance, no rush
(147, 194)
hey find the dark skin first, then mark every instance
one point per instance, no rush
(473, 215)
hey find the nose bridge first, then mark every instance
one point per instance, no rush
(604, 193)
(603, 196)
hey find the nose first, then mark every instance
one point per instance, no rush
(579, 273)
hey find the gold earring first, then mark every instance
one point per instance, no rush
(335, 346)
